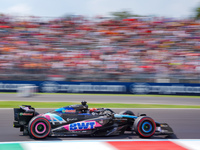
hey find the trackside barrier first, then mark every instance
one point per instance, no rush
(27, 91)
(106, 145)
(100, 87)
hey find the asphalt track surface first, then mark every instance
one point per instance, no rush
(103, 99)
(184, 122)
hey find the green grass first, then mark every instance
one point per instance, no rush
(140, 95)
(15, 104)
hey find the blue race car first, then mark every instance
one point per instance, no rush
(77, 120)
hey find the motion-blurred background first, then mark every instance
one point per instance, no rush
(120, 44)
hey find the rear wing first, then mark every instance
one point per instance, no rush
(23, 115)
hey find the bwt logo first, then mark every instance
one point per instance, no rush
(49, 87)
(140, 88)
(82, 126)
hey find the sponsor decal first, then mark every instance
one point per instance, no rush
(140, 88)
(69, 111)
(82, 126)
(145, 88)
(13, 86)
(26, 114)
(53, 87)
(164, 125)
(49, 87)
(71, 119)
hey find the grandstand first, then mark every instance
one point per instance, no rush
(82, 49)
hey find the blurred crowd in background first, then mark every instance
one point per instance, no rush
(99, 49)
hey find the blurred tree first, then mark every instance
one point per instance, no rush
(123, 15)
(197, 16)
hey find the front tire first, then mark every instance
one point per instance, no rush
(39, 127)
(144, 126)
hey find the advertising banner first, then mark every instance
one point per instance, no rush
(104, 87)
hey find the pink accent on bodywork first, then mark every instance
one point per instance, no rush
(66, 127)
(47, 116)
(96, 125)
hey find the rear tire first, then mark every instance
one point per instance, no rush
(39, 127)
(144, 126)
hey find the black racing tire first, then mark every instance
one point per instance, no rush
(127, 112)
(39, 127)
(144, 126)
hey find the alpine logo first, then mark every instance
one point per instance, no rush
(82, 126)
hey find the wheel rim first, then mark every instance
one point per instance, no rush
(40, 128)
(147, 127)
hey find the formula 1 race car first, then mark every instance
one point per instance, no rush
(76, 120)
